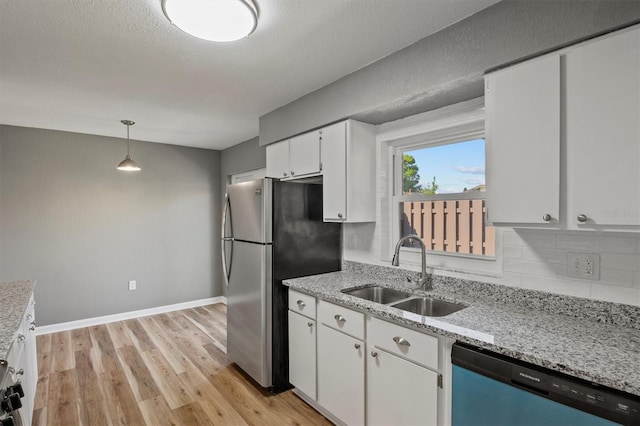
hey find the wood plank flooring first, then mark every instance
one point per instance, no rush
(166, 369)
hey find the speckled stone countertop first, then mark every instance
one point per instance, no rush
(541, 328)
(13, 305)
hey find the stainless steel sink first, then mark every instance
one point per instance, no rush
(428, 307)
(377, 294)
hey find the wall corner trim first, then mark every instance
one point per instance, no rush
(72, 325)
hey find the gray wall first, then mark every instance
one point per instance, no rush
(448, 66)
(245, 156)
(82, 229)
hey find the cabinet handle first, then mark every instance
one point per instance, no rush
(301, 304)
(310, 324)
(401, 341)
(339, 318)
(340, 215)
(21, 338)
(546, 217)
(582, 218)
(374, 354)
(357, 346)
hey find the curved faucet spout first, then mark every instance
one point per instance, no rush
(425, 284)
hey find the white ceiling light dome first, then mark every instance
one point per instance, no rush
(214, 20)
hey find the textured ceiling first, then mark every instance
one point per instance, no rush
(83, 65)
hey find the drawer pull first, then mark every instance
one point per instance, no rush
(20, 372)
(310, 324)
(401, 341)
(374, 354)
(301, 304)
(357, 346)
(339, 318)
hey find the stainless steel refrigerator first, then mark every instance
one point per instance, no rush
(271, 231)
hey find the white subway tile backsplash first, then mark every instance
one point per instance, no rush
(626, 295)
(628, 262)
(616, 244)
(542, 254)
(571, 288)
(528, 267)
(575, 242)
(512, 252)
(618, 277)
(529, 238)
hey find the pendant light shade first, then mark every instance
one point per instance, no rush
(213, 20)
(128, 165)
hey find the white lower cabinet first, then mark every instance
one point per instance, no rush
(341, 375)
(367, 371)
(302, 353)
(400, 392)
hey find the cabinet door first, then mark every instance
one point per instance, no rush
(400, 392)
(278, 160)
(302, 354)
(523, 142)
(334, 165)
(341, 375)
(304, 154)
(603, 134)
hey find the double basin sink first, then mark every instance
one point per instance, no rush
(425, 306)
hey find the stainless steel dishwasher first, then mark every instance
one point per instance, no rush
(492, 389)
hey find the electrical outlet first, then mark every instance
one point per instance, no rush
(132, 285)
(584, 265)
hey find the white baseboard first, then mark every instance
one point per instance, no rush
(72, 325)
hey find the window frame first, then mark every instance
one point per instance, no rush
(456, 123)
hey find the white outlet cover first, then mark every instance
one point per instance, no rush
(584, 265)
(132, 285)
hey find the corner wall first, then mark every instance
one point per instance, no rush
(82, 229)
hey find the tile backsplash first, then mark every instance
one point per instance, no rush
(537, 259)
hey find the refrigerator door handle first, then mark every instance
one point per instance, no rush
(226, 271)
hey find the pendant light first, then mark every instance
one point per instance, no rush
(128, 165)
(213, 20)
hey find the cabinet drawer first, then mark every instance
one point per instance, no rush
(411, 344)
(302, 304)
(341, 318)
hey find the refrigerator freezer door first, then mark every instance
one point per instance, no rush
(250, 210)
(249, 311)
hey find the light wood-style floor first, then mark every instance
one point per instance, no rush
(167, 369)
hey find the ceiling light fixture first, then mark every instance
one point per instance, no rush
(128, 165)
(214, 20)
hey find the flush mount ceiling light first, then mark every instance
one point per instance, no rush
(214, 20)
(128, 165)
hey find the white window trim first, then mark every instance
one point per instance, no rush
(455, 123)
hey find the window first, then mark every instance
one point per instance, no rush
(440, 195)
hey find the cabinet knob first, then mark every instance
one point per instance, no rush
(546, 217)
(21, 338)
(310, 324)
(292, 173)
(582, 218)
(357, 346)
(339, 318)
(20, 372)
(284, 174)
(301, 304)
(340, 215)
(401, 341)
(374, 354)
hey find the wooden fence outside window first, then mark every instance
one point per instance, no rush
(452, 226)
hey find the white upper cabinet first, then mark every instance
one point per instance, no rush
(603, 131)
(349, 179)
(563, 137)
(523, 142)
(294, 158)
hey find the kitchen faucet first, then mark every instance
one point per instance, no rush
(424, 282)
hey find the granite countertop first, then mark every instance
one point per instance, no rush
(13, 305)
(602, 353)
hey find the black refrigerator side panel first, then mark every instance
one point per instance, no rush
(302, 245)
